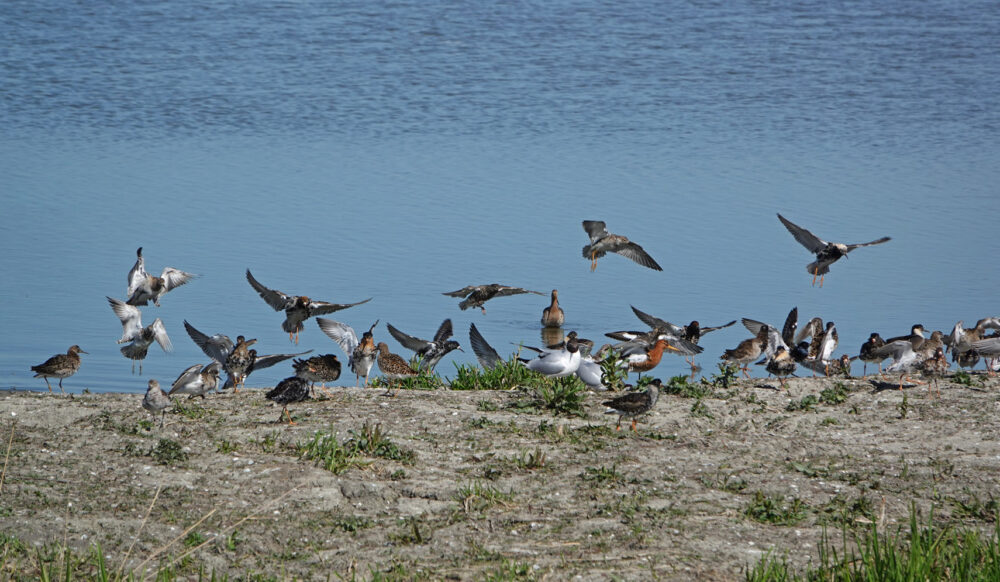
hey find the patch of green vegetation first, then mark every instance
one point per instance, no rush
(477, 497)
(556, 395)
(972, 507)
(727, 376)
(809, 470)
(680, 386)
(397, 475)
(775, 510)
(168, 452)
(846, 512)
(603, 476)
(194, 539)
(806, 404)
(614, 371)
(225, 447)
(190, 409)
(481, 422)
(413, 532)
(268, 443)
(964, 378)
(925, 552)
(422, 381)
(371, 441)
(829, 421)
(486, 406)
(509, 570)
(506, 375)
(351, 523)
(836, 394)
(725, 481)
(699, 408)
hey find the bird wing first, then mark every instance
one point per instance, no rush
(657, 323)
(444, 332)
(635, 252)
(898, 350)
(791, 324)
(868, 244)
(505, 290)
(462, 292)
(341, 333)
(987, 347)
(218, 347)
(323, 308)
(267, 361)
(805, 238)
(774, 338)
(160, 335)
(276, 299)
(137, 274)
(174, 278)
(988, 323)
(596, 229)
(185, 378)
(705, 330)
(130, 317)
(487, 356)
(409, 342)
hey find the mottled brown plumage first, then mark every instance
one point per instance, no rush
(59, 366)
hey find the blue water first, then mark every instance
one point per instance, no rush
(400, 150)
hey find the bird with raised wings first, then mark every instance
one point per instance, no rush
(477, 295)
(826, 253)
(297, 308)
(237, 360)
(197, 380)
(603, 242)
(427, 352)
(143, 287)
(361, 353)
(137, 337)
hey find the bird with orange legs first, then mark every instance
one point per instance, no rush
(826, 253)
(603, 242)
(634, 404)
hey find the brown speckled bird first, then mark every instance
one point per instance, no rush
(298, 308)
(323, 369)
(59, 366)
(477, 295)
(393, 366)
(603, 242)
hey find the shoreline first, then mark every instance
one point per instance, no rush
(476, 481)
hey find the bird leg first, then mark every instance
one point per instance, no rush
(50, 385)
(821, 277)
(815, 274)
(619, 425)
(633, 426)
(61, 391)
(288, 416)
(593, 261)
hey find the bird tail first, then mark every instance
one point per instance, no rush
(818, 268)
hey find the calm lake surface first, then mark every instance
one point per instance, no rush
(400, 150)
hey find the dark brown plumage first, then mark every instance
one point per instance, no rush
(477, 295)
(634, 404)
(289, 390)
(59, 366)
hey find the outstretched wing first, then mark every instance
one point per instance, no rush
(160, 335)
(705, 330)
(341, 333)
(444, 331)
(174, 278)
(868, 244)
(631, 250)
(130, 317)
(487, 356)
(323, 307)
(276, 299)
(217, 347)
(267, 361)
(409, 342)
(657, 323)
(137, 274)
(596, 229)
(462, 292)
(791, 324)
(805, 238)
(504, 290)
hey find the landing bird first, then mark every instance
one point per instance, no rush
(197, 380)
(634, 404)
(360, 353)
(156, 400)
(603, 242)
(289, 390)
(138, 337)
(477, 295)
(59, 366)
(553, 316)
(298, 308)
(143, 287)
(237, 360)
(428, 352)
(826, 253)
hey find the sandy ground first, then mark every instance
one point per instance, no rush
(491, 487)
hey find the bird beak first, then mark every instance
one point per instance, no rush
(670, 347)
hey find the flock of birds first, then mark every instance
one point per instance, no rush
(780, 351)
